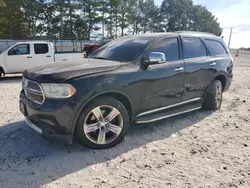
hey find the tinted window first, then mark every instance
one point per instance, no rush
(193, 47)
(20, 49)
(41, 48)
(124, 49)
(168, 46)
(216, 47)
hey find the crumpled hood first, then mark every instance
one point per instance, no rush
(62, 71)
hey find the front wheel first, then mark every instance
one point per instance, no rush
(1, 74)
(103, 123)
(213, 98)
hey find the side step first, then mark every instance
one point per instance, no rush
(169, 113)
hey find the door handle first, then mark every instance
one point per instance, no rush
(29, 57)
(179, 69)
(48, 56)
(212, 64)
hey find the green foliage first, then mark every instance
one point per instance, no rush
(12, 20)
(79, 19)
(183, 15)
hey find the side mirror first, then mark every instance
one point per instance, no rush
(156, 58)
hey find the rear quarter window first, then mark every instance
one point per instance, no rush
(216, 47)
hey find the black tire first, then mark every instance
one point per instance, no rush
(82, 138)
(1, 73)
(213, 98)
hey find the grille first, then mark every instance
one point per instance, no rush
(33, 91)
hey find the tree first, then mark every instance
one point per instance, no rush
(2, 3)
(70, 17)
(32, 9)
(12, 20)
(176, 14)
(78, 19)
(91, 15)
(150, 16)
(48, 22)
(61, 8)
(112, 18)
(183, 15)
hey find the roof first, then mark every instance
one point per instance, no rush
(32, 41)
(150, 34)
(184, 33)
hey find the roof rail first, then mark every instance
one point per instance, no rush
(194, 32)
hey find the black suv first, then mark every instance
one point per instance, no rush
(141, 78)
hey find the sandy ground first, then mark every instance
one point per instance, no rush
(201, 149)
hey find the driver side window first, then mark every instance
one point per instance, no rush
(21, 49)
(168, 46)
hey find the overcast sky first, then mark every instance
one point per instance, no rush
(230, 13)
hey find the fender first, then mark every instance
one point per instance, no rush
(82, 105)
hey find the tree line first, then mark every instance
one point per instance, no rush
(79, 19)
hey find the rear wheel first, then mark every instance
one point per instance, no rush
(103, 123)
(213, 97)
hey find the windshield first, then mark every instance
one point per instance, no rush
(124, 49)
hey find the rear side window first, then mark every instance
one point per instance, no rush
(168, 46)
(216, 47)
(41, 48)
(21, 49)
(193, 47)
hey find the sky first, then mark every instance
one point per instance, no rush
(230, 13)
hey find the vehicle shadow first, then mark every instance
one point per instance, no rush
(11, 79)
(24, 156)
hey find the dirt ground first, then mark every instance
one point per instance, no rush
(201, 149)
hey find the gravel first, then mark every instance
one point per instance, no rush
(202, 149)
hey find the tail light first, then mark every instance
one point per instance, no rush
(84, 54)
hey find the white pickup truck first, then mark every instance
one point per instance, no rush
(25, 55)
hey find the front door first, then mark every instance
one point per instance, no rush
(19, 58)
(162, 84)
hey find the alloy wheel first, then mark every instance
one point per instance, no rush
(103, 124)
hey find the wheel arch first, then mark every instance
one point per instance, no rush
(222, 77)
(2, 70)
(118, 95)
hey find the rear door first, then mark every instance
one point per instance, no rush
(162, 84)
(43, 54)
(19, 58)
(197, 67)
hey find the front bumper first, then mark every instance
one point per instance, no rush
(51, 120)
(51, 137)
